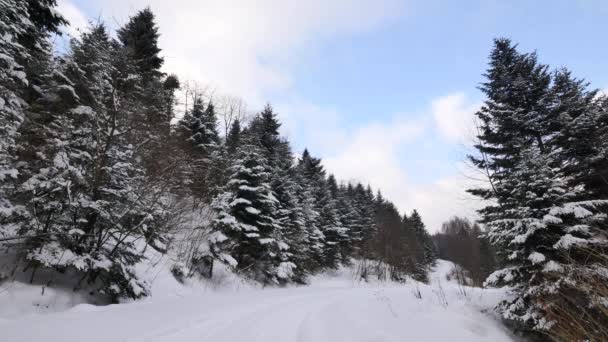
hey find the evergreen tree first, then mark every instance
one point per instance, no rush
(245, 229)
(365, 203)
(13, 83)
(424, 239)
(543, 215)
(264, 130)
(313, 238)
(336, 235)
(140, 37)
(579, 121)
(199, 129)
(201, 125)
(325, 217)
(43, 20)
(79, 186)
(234, 137)
(24, 28)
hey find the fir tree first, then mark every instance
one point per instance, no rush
(199, 129)
(82, 187)
(233, 138)
(140, 37)
(543, 216)
(44, 20)
(579, 121)
(246, 229)
(336, 235)
(13, 83)
(423, 238)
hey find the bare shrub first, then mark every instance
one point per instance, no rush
(416, 291)
(440, 293)
(579, 309)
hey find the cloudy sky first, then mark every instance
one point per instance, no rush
(382, 90)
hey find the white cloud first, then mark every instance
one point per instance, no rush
(74, 15)
(440, 200)
(372, 154)
(372, 157)
(248, 48)
(453, 116)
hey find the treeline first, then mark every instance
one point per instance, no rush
(467, 245)
(543, 145)
(93, 172)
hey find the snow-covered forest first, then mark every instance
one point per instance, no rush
(121, 182)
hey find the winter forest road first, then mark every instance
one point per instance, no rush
(326, 311)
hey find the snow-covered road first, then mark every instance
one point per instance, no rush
(330, 310)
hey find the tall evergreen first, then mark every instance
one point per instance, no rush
(43, 19)
(13, 83)
(24, 27)
(579, 120)
(82, 192)
(543, 216)
(322, 219)
(245, 230)
(140, 37)
(423, 238)
(198, 129)
(336, 234)
(233, 138)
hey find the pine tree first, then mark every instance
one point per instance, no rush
(233, 138)
(140, 37)
(365, 203)
(245, 229)
(201, 126)
(336, 234)
(264, 130)
(84, 196)
(580, 120)
(543, 216)
(349, 215)
(291, 215)
(43, 20)
(326, 217)
(13, 82)
(24, 28)
(424, 239)
(199, 129)
(313, 239)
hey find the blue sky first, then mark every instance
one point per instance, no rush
(383, 90)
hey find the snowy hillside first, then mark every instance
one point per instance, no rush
(333, 308)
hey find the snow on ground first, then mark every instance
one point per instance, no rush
(333, 308)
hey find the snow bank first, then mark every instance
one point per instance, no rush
(333, 308)
(19, 298)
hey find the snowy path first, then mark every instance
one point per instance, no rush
(335, 310)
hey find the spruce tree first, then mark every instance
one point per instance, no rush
(314, 240)
(579, 120)
(544, 219)
(233, 138)
(82, 185)
(13, 83)
(140, 37)
(423, 238)
(336, 235)
(199, 129)
(43, 19)
(324, 217)
(245, 229)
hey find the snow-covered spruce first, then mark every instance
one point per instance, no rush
(548, 215)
